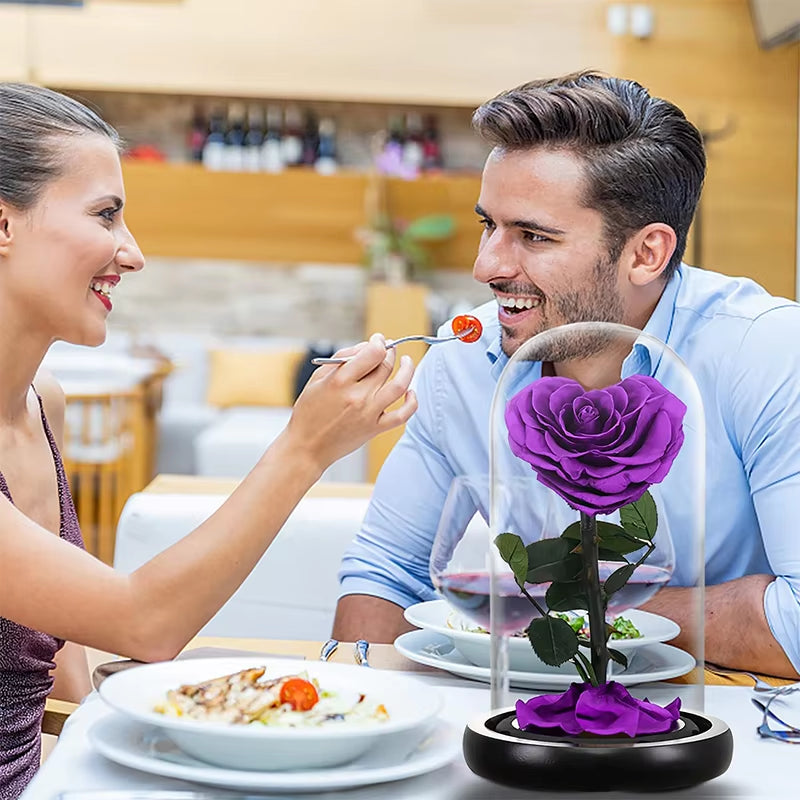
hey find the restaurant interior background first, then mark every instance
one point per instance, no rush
(302, 173)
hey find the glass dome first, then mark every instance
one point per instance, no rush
(596, 512)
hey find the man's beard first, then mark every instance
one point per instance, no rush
(600, 302)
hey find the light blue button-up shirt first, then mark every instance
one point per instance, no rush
(742, 347)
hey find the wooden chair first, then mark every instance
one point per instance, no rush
(104, 451)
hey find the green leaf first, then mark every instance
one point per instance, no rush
(609, 555)
(610, 537)
(620, 658)
(572, 532)
(566, 596)
(552, 640)
(432, 228)
(617, 579)
(640, 518)
(551, 560)
(618, 540)
(513, 552)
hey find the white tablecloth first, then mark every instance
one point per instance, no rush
(760, 768)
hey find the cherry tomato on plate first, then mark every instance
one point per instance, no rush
(464, 321)
(299, 694)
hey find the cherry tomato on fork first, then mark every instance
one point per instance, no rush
(299, 694)
(464, 321)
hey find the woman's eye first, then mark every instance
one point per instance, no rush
(108, 214)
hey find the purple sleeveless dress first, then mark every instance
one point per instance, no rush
(26, 658)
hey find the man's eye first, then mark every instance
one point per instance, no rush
(533, 237)
(487, 223)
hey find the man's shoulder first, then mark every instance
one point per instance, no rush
(713, 297)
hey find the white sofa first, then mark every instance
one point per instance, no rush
(291, 593)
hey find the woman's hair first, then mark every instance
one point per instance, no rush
(32, 120)
(643, 160)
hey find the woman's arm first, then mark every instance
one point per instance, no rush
(153, 612)
(71, 679)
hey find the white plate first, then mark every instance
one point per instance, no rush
(655, 662)
(410, 704)
(148, 749)
(434, 615)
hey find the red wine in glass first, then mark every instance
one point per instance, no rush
(469, 593)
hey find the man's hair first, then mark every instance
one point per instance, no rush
(643, 160)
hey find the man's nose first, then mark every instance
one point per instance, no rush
(495, 258)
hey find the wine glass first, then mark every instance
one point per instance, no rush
(461, 562)
(466, 570)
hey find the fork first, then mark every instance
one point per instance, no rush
(361, 648)
(328, 649)
(758, 684)
(394, 342)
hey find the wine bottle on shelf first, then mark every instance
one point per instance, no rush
(326, 163)
(272, 151)
(292, 140)
(197, 135)
(254, 139)
(310, 140)
(431, 147)
(214, 147)
(412, 147)
(234, 141)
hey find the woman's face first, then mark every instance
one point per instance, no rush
(64, 257)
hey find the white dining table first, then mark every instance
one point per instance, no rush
(760, 768)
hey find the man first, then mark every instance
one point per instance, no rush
(586, 200)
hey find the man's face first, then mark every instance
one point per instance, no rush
(543, 254)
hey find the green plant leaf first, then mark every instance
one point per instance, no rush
(617, 579)
(566, 596)
(431, 228)
(572, 532)
(609, 555)
(620, 658)
(640, 518)
(610, 537)
(513, 552)
(552, 640)
(551, 560)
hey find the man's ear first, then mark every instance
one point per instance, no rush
(650, 250)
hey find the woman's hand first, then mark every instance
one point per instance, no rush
(345, 405)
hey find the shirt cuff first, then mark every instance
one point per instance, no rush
(782, 608)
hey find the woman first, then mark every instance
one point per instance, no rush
(64, 248)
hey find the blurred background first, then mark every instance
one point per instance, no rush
(301, 173)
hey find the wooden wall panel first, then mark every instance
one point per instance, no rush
(704, 57)
(14, 47)
(297, 215)
(449, 52)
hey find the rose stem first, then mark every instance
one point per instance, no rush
(597, 616)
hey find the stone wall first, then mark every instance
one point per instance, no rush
(229, 298)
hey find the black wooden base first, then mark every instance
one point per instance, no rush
(700, 749)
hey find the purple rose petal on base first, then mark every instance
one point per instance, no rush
(603, 710)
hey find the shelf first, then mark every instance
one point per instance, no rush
(183, 210)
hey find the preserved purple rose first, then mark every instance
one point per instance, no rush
(599, 449)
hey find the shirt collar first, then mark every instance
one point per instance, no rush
(645, 357)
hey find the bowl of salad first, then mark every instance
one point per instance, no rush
(273, 714)
(632, 629)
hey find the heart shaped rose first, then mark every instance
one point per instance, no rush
(598, 449)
